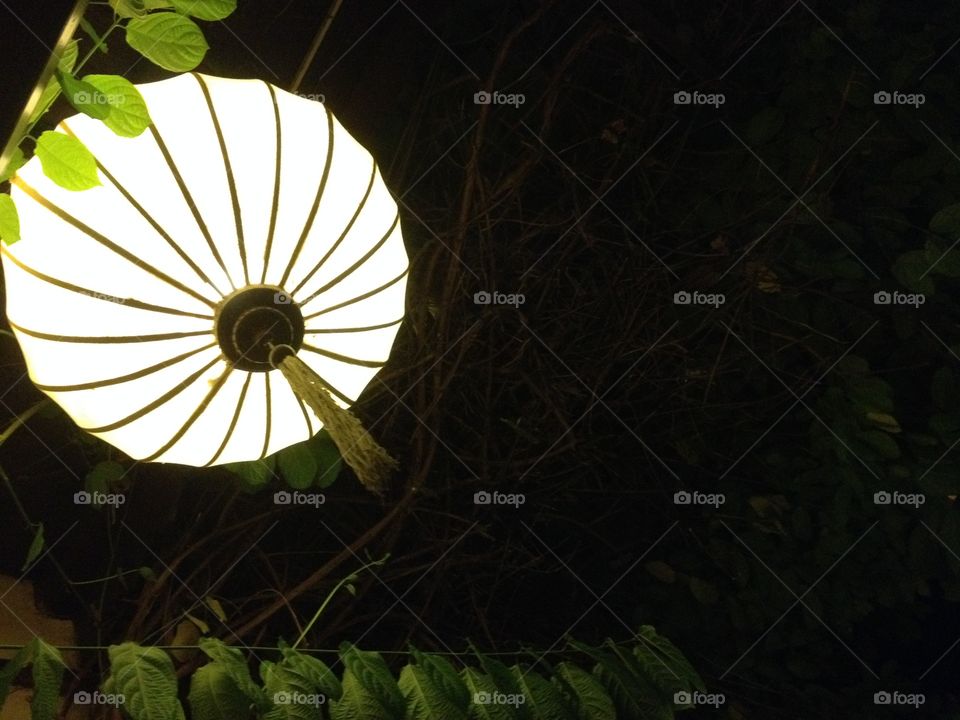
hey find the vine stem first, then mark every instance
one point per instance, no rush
(21, 419)
(315, 46)
(323, 606)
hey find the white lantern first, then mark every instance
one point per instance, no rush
(244, 219)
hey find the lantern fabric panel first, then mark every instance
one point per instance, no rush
(113, 292)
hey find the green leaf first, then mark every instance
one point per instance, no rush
(103, 477)
(9, 220)
(912, 270)
(206, 9)
(372, 673)
(67, 162)
(136, 8)
(297, 465)
(36, 547)
(67, 62)
(671, 653)
(590, 699)
(215, 696)
(168, 39)
(254, 473)
(145, 677)
(358, 703)
(12, 668)
(48, 667)
(17, 161)
(319, 677)
(127, 113)
(881, 442)
(442, 673)
(425, 698)
(235, 665)
(92, 33)
(503, 679)
(541, 696)
(83, 96)
(327, 455)
(481, 687)
(69, 56)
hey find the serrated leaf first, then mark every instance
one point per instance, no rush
(127, 113)
(358, 703)
(206, 9)
(69, 56)
(481, 687)
(297, 465)
(671, 653)
(12, 668)
(168, 39)
(215, 696)
(36, 547)
(232, 661)
(445, 676)
(67, 161)
(590, 698)
(146, 678)
(9, 220)
(632, 695)
(541, 697)
(48, 667)
(371, 671)
(83, 96)
(316, 672)
(426, 699)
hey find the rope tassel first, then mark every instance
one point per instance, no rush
(371, 463)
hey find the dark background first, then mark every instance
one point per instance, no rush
(599, 397)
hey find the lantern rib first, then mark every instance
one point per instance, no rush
(368, 328)
(344, 358)
(107, 243)
(268, 246)
(126, 302)
(125, 378)
(105, 339)
(188, 198)
(231, 181)
(233, 422)
(150, 407)
(200, 409)
(316, 203)
(266, 436)
(346, 230)
(370, 253)
(149, 218)
(356, 299)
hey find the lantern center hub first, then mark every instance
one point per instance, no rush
(252, 320)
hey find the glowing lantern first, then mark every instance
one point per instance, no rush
(243, 228)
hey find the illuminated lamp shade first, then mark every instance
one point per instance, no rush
(243, 228)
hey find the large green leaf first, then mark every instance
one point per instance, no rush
(48, 667)
(482, 689)
(9, 220)
(297, 465)
(168, 39)
(127, 113)
(358, 703)
(426, 699)
(231, 659)
(83, 96)
(372, 672)
(145, 677)
(681, 668)
(67, 162)
(12, 668)
(315, 672)
(591, 700)
(206, 9)
(541, 696)
(327, 455)
(503, 679)
(215, 696)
